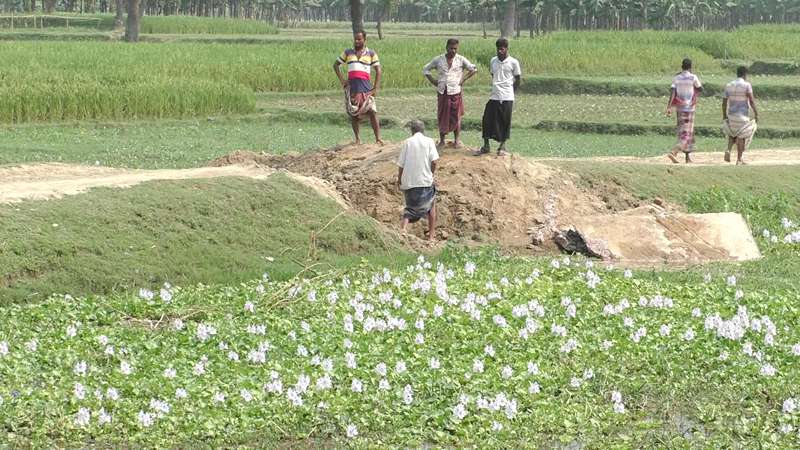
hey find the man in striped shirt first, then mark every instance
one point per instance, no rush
(359, 92)
(686, 87)
(738, 127)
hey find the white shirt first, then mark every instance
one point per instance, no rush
(503, 73)
(738, 102)
(686, 85)
(416, 155)
(450, 76)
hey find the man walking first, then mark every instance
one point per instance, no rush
(737, 125)
(506, 77)
(359, 93)
(450, 69)
(686, 87)
(416, 166)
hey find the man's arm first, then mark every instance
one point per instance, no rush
(672, 94)
(517, 81)
(377, 85)
(471, 70)
(752, 102)
(433, 167)
(338, 72)
(426, 70)
(725, 108)
(399, 175)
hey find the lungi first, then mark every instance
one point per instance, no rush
(449, 112)
(358, 104)
(497, 120)
(740, 128)
(419, 201)
(685, 131)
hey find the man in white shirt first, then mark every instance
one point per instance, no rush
(506, 76)
(416, 166)
(738, 127)
(450, 68)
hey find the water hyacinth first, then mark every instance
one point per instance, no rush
(384, 350)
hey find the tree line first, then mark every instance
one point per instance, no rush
(513, 16)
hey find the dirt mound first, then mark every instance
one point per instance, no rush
(508, 200)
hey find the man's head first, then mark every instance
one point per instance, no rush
(359, 39)
(741, 72)
(502, 48)
(686, 64)
(416, 126)
(452, 47)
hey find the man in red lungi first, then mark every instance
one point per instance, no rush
(450, 68)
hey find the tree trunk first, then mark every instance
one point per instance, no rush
(49, 6)
(132, 26)
(509, 17)
(119, 18)
(356, 15)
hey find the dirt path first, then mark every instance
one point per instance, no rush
(789, 157)
(48, 181)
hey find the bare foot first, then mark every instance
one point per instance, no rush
(727, 157)
(502, 152)
(357, 142)
(379, 142)
(458, 144)
(481, 151)
(741, 163)
(672, 158)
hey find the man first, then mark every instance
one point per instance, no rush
(506, 76)
(685, 88)
(359, 93)
(450, 69)
(416, 166)
(736, 123)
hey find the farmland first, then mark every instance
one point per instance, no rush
(241, 312)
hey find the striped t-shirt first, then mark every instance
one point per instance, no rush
(736, 92)
(358, 68)
(686, 85)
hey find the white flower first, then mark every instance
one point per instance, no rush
(477, 366)
(688, 335)
(616, 397)
(352, 431)
(438, 310)
(796, 349)
(619, 408)
(233, 356)
(146, 294)
(246, 395)
(350, 360)
(459, 412)
(606, 345)
(497, 426)
(588, 374)
(80, 368)
(181, 393)
(72, 331)
(219, 397)
(628, 273)
(178, 324)
(576, 382)
(400, 367)
(724, 356)
(507, 372)
(534, 388)
(569, 346)
(469, 268)
(145, 419)
(381, 369)
(408, 394)
(731, 280)
(79, 391)
(204, 332)
(628, 322)
(112, 394)
(768, 370)
(161, 407)
(419, 339)
(165, 294)
(83, 417)
(383, 385)
(170, 373)
(32, 345)
(789, 406)
(3, 348)
(665, 330)
(434, 363)
(103, 417)
(357, 386)
(707, 278)
(786, 428)
(250, 307)
(489, 350)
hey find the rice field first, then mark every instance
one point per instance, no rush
(214, 78)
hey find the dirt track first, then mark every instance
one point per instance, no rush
(788, 157)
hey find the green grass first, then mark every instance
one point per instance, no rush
(193, 143)
(212, 231)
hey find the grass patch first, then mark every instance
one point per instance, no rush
(186, 232)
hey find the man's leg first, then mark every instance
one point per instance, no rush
(376, 126)
(354, 122)
(403, 224)
(731, 141)
(456, 134)
(440, 144)
(740, 144)
(432, 223)
(688, 157)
